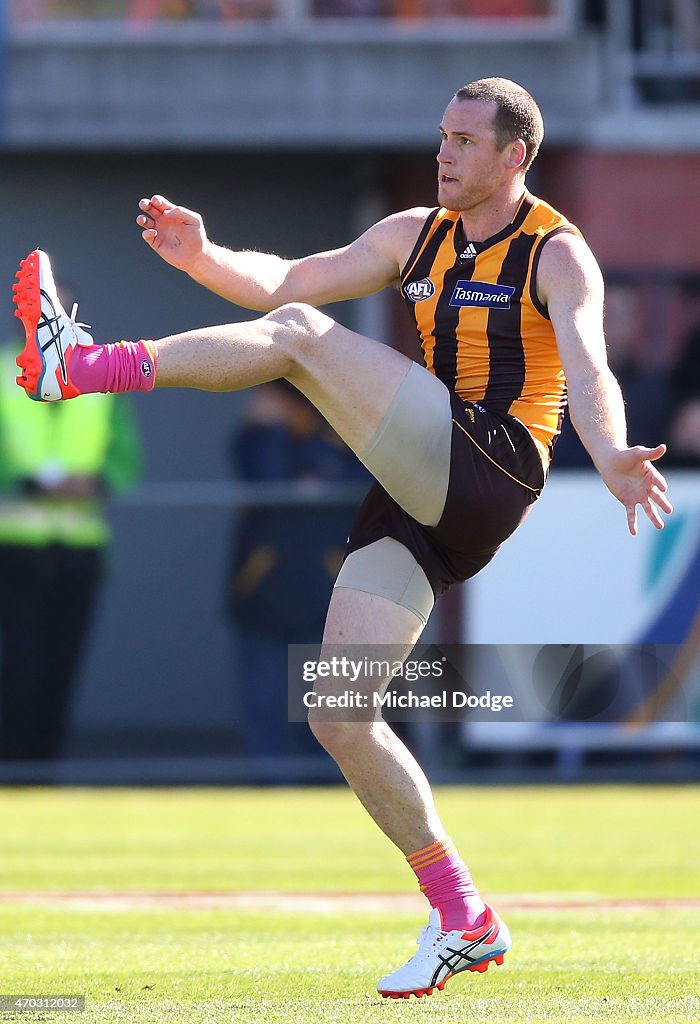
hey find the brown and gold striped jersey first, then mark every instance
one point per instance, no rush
(483, 330)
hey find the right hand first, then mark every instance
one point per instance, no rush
(175, 233)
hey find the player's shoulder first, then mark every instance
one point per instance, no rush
(560, 238)
(568, 265)
(416, 213)
(407, 221)
(566, 248)
(399, 232)
(549, 223)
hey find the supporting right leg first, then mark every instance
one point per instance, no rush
(463, 934)
(381, 770)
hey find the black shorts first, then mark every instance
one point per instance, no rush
(496, 474)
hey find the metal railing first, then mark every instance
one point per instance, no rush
(654, 50)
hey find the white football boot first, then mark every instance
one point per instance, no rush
(51, 335)
(443, 954)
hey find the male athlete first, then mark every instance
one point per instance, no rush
(508, 304)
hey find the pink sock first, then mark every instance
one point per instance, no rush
(124, 366)
(445, 880)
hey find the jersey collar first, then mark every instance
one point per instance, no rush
(461, 242)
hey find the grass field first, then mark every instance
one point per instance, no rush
(600, 887)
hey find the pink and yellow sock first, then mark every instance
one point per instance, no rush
(445, 880)
(124, 366)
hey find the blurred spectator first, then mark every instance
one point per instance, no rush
(684, 434)
(151, 10)
(141, 10)
(220, 10)
(350, 8)
(27, 10)
(423, 9)
(502, 8)
(38, 10)
(644, 388)
(53, 541)
(144, 11)
(284, 559)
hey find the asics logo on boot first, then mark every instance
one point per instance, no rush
(457, 959)
(52, 323)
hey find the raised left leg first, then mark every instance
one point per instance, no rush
(395, 415)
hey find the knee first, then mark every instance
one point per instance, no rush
(339, 739)
(298, 327)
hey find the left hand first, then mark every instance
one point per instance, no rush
(631, 477)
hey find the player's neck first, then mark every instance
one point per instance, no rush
(493, 215)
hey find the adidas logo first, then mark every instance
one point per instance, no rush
(469, 253)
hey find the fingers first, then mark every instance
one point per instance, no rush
(148, 217)
(656, 453)
(661, 500)
(657, 479)
(631, 511)
(649, 506)
(655, 482)
(652, 514)
(649, 453)
(635, 481)
(152, 209)
(157, 211)
(156, 204)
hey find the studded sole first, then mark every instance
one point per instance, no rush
(27, 297)
(419, 992)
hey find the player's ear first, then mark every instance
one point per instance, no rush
(517, 154)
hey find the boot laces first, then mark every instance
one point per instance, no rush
(73, 315)
(428, 936)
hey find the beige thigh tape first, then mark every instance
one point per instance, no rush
(388, 569)
(410, 453)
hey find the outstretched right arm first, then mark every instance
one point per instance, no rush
(262, 281)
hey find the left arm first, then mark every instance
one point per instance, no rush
(570, 283)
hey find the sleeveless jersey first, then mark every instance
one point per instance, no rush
(482, 328)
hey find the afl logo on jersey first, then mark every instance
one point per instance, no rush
(416, 291)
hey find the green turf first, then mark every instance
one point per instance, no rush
(618, 841)
(164, 965)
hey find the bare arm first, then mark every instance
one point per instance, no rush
(263, 281)
(569, 281)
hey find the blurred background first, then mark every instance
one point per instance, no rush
(291, 125)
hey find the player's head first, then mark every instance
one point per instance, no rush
(491, 131)
(516, 115)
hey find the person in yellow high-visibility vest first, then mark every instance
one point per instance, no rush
(53, 536)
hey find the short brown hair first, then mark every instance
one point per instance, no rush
(517, 116)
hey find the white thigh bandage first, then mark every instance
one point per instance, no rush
(410, 453)
(388, 569)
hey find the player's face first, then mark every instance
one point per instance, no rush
(471, 167)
